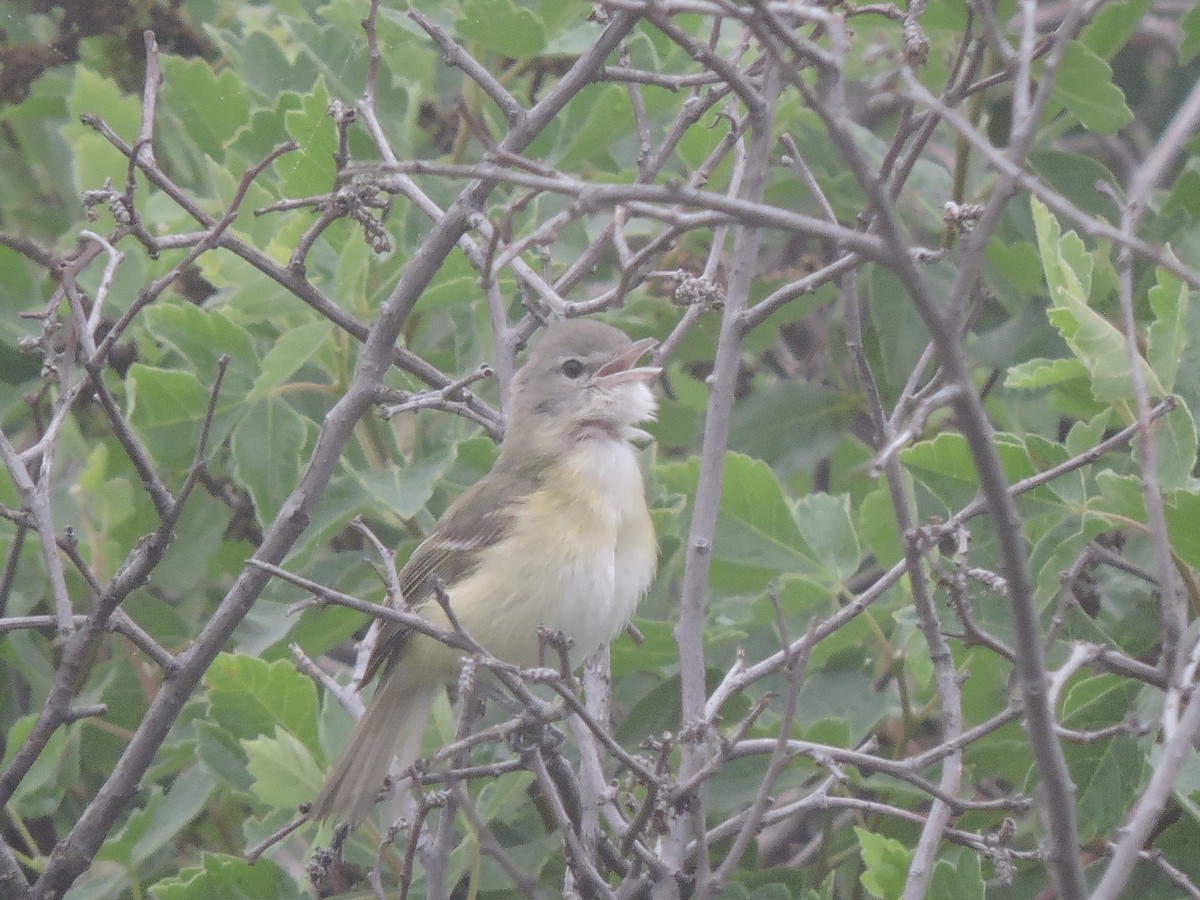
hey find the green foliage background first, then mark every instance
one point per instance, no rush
(802, 518)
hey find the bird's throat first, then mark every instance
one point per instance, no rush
(597, 429)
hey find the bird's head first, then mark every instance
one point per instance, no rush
(582, 382)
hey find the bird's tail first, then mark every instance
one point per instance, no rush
(391, 726)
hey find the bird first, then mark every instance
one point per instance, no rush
(557, 534)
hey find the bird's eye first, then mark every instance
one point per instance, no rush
(572, 368)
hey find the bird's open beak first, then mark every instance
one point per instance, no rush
(621, 367)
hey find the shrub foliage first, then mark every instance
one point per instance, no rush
(925, 621)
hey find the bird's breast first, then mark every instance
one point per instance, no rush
(580, 555)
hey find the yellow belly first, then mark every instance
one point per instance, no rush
(579, 558)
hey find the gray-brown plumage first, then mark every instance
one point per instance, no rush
(556, 534)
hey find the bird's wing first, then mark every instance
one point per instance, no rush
(480, 518)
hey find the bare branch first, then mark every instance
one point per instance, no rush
(460, 59)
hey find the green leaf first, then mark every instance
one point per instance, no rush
(961, 882)
(1065, 260)
(154, 826)
(947, 455)
(877, 524)
(773, 891)
(108, 500)
(755, 526)
(903, 332)
(284, 770)
(1006, 755)
(1107, 776)
(311, 172)
(1190, 45)
(653, 713)
(228, 877)
(403, 491)
(1084, 85)
(1075, 175)
(167, 408)
(249, 697)
(56, 768)
(221, 756)
(658, 648)
(263, 63)
(793, 425)
(1174, 448)
(1040, 373)
(327, 51)
(1113, 26)
(189, 89)
(607, 117)
(1167, 336)
(262, 130)
(1186, 786)
(1096, 701)
(1182, 513)
(502, 794)
(1086, 434)
(1052, 554)
(162, 398)
(1018, 262)
(1184, 195)
(456, 291)
(503, 26)
(268, 449)
(1095, 341)
(353, 271)
(199, 536)
(1070, 488)
(842, 688)
(885, 864)
(827, 529)
(94, 158)
(294, 349)
(1120, 497)
(202, 337)
(945, 467)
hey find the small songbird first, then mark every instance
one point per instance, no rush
(557, 534)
